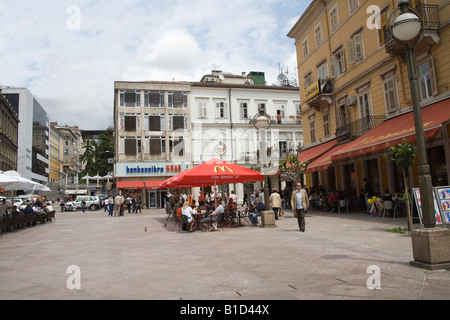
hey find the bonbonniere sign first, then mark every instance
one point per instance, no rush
(142, 169)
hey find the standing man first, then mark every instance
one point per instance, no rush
(275, 202)
(300, 204)
(118, 200)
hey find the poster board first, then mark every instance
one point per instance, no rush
(437, 211)
(443, 198)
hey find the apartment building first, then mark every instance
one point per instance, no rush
(9, 122)
(355, 94)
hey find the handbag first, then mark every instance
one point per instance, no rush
(280, 213)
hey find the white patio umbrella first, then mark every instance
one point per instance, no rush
(23, 183)
(108, 176)
(98, 178)
(87, 177)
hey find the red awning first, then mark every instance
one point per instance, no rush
(324, 161)
(314, 152)
(138, 185)
(393, 131)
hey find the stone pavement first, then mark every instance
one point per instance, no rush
(118, 259)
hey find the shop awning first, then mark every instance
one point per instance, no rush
(137, 185)
(324, 161)
(393, 131)
(314, 152)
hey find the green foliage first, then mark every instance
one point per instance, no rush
(291, 167)
(96, 154)
(402, 154)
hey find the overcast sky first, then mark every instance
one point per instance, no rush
(69, 53)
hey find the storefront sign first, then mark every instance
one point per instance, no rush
(148, 169)
(312, 91)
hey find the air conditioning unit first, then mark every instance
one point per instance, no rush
(351, 101)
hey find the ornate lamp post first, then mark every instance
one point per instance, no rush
(407, 28)
(262, 122)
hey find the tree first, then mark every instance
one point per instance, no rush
(96, 155)
(403, 156)
(291, 168)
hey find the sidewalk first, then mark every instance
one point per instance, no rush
(118, 259)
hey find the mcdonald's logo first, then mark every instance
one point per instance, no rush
(222, 168)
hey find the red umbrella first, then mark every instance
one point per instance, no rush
(217, 172)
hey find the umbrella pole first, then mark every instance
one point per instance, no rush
(215, 194)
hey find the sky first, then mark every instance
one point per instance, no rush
(69, 53)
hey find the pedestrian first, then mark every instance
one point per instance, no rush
(367, 194)
(110, 206)
(83, 204)
(128, 203)
(118, 201)
(245, 202)
(275, 202)
(138, 205)
(300, 204)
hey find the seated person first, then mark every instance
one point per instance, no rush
(214, 216)
(231, 204)
(187, 210)
(202, 207)
(47, 208)
(387, 196)
(258, 207)
(28, 209)
(179, 212)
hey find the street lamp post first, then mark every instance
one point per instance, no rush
(262, 122)
(407, 28)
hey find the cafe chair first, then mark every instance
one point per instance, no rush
(388, 205)
(183, 221)
(342, 204)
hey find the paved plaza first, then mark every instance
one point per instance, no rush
(339, 257)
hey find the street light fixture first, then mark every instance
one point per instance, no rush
(262, 123)
(428, 244)
(407, 28)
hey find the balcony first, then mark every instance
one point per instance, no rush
(430, 16)
(278, 120)
(320, 91)
(357, 128)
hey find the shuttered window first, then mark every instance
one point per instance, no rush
(130, 123)
(130, 147)
(155, 123)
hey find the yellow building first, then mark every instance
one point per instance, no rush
(355, 96)
(56, 152)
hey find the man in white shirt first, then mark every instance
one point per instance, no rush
(300, 204)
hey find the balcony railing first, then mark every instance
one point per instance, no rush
(430, 16)
(357, 128)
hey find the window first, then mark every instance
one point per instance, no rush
(334, 18)
(364, 110)
(244, 110)
(155, 146)
(154, 99)
(305, 49)
(154, 123)
(221, 110)
(322, 71)
(129, 99)
(355, 48)
(426, 79)
(176, 146)
(130, 147)
(308, 80)
(390, 93)
(130, 123)
(177, 100)
(262, 105)
(202, 109)
(326, 122)
(281, 113)
(318, 35)
(312, 128)
(337, 63)
(353, 5)
(383, 33)
(177, 122)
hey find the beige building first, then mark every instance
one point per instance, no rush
(9, 122)
(56, 154)
(355, 93)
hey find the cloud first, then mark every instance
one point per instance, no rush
(72, 71)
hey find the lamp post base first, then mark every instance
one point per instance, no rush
(431, 248)
(268, 219)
